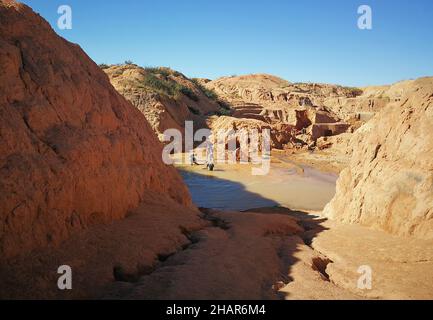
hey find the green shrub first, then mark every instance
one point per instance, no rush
(224, 105)
(225, 109)
(354, 91)
(156, 79)
(223, 112)
(162, 71)
(193, 110)
(188, 92)
(160, 85)
(207, 92)
(128, 62)
(104, 66)
(165, 72)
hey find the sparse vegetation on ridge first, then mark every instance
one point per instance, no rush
(193, 110)
(166, 72)
(355, 91)
(225, 109)
(159, 80)
(207, 92)
(103, 66)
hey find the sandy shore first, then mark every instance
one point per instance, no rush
(234, 187)
(324, 161)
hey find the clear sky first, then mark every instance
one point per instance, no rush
(308, 40)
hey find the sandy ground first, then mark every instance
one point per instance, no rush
(165, 251)
(276, 253)
(268, 253)
(325, 160)
(401, 268)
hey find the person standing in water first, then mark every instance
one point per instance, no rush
(209, 157)
(209, 163)
(192, 158)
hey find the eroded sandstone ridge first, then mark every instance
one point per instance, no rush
(299, 115)
(389, 182)
(166, 97)
(73, 151)
(296, 113)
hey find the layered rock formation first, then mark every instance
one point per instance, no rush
(73, 151)
(389, 182)
(280, 134)
(271, 91)
(364, 106)
(166, 97)
(296, 113)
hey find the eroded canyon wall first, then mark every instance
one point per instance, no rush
(388, 184)
(73, 151)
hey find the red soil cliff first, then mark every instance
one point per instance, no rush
(73, 151)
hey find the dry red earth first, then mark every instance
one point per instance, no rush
(74, 152)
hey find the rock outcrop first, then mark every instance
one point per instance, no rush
(280, 134)
(299, 108)
(298, 114)
(271, 91)
(364, 106)
(73, 151)
(388, 184)
(166, 97)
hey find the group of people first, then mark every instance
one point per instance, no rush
(209, 158)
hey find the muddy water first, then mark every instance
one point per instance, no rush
(233, 187)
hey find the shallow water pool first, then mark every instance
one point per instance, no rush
(235, 188)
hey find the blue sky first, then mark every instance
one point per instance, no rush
(308, 40)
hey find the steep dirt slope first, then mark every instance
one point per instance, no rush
(166, 97)
(73, 151)
(389, 182)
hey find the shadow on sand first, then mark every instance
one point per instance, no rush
(220, 194)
